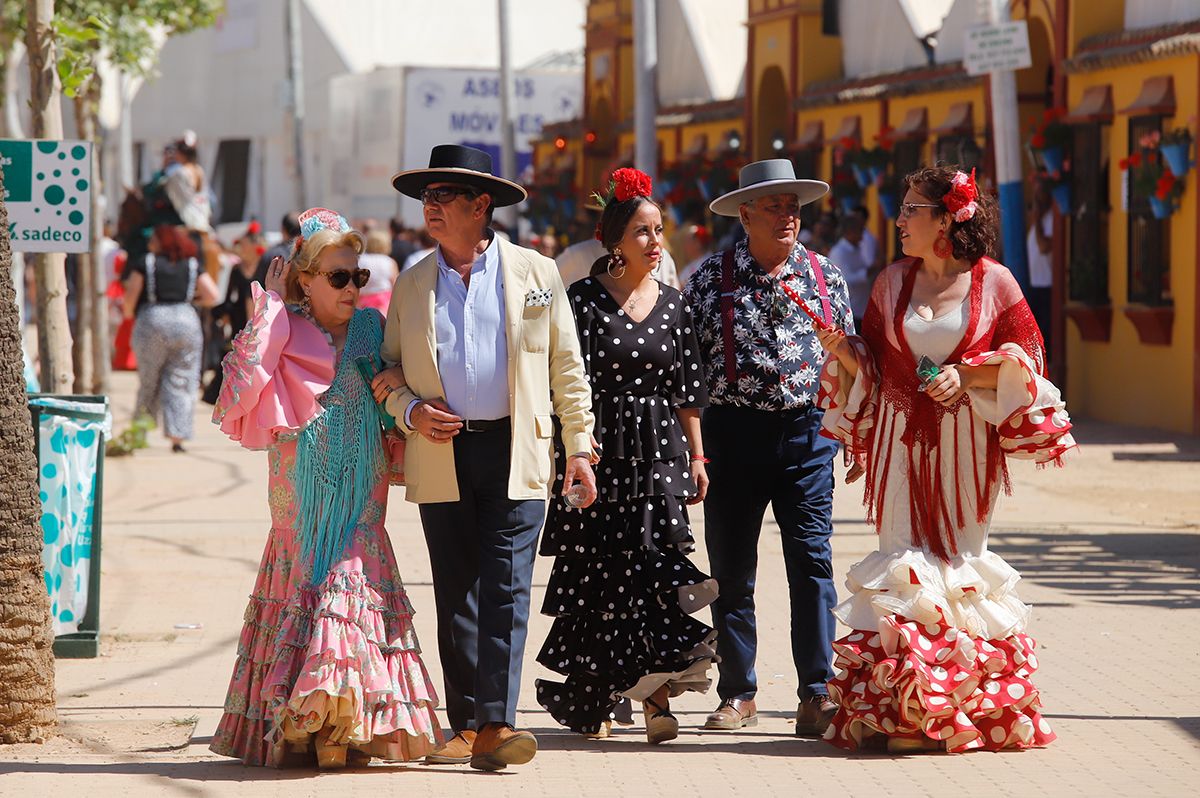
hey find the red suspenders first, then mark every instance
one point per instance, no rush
(727, 293)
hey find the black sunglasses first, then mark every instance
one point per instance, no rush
(340, 278)
(444, 194)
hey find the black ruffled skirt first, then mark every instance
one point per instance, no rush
(623, 589)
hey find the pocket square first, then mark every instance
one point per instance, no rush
(539, 297)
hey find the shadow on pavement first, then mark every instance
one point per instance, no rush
(1187, 725)
(1149, 569)
(1088, 431)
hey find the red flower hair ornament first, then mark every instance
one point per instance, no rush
(626, 184)
(630, 183)
(960, 199)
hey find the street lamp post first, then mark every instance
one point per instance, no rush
(508, 109)
(645, 72)
(1007, 146)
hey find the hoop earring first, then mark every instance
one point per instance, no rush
(942, 246)
(616, 265)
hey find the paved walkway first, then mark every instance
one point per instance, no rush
(1109, 547)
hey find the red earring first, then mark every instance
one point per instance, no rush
(942, 247)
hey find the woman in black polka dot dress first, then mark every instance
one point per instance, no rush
(622, 589)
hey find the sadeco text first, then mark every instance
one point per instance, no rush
(46, 234)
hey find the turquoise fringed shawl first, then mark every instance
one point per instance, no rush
(339, 456)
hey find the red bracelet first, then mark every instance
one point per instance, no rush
(701, 459)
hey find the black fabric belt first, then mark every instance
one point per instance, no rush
(486, 426)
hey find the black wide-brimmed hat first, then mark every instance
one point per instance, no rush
(764, 178)
(454, 163)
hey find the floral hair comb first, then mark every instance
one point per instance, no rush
(314, 220)
(960, 199)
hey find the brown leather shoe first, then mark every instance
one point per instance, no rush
(456, 751)
(498, 745)
(813, 716)
(733, 714)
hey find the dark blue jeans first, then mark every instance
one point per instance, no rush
(760, 457)
(481, 549)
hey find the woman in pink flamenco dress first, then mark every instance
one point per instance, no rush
(938, 657)
(328, 662)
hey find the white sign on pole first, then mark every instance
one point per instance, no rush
(47, 191)
(997, 48)
(462, 106)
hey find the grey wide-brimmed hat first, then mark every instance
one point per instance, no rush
(455, 163)
(763, 178)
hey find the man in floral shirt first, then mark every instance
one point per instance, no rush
(761, 432)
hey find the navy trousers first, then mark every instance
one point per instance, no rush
(481, 549)
(760, 457)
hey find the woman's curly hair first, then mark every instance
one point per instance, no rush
(972, 239)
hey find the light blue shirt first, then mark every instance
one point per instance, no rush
(470, 326)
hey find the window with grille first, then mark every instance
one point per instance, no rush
(959, 150)
(1149, 257)
(1087, 268)
(229, 179)
(805, 163)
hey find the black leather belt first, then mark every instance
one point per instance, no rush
(486, 426)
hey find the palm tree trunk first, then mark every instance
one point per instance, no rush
(26, 646)
(54, 331)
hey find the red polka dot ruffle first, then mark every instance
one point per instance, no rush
(932, 680)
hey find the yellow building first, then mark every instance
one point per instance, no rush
(861, 92)
(1132, 291)
(701, 118)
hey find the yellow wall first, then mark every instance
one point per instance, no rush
(716, 133)
(1123, 380)
(820, 56)
(772, 47)
(1091, 17)
(667, 141)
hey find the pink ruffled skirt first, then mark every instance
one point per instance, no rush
(342, 657)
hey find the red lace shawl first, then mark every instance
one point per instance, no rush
(999, 316)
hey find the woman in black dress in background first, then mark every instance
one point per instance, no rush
(622, 588)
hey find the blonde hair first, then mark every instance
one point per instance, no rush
(306, 255)
(379, 243)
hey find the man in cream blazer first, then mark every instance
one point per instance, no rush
(485, 336)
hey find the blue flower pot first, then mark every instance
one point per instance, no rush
(875, 172)
(1062, 198)
(889, 203)
(1161, 208)
(849, 203)
(861, 176)
(1176, 156)
(1052, 158)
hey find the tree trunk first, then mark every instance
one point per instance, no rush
(26, 647)
(101, 335)
(6, 43)
(85, 294)
(54, 331)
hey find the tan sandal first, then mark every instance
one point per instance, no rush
(662, 725)
(907, 745)
(330, 755)
(603, 733)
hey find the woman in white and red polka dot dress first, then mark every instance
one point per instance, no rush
(938, 657)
